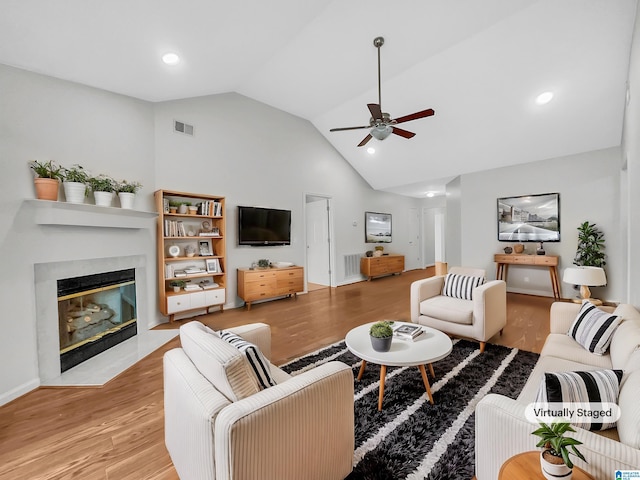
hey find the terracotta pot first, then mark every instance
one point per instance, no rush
(553, 471)
(46, 188)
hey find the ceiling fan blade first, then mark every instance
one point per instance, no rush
(365, 140)
(376, 111)
(415, 116)
(348, 128)
(403, 133)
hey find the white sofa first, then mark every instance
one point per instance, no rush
(501, 429)
(219, 424)
(478, 319)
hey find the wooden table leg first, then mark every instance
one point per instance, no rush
(426, 383)
(555, 283)
(383, 374)
(433, 374)
(362, 367)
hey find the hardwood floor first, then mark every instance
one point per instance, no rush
(115, 432)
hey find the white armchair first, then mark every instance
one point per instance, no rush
(217, 427)
(479, 319)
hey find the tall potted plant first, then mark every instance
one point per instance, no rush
(554, 457)
(103, 187)
(590, 246)
(74, 181)
(127, 193)
(47, 180)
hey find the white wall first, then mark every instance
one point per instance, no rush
(257, 155)
(588, 184)
(631, 153)
(44, 118)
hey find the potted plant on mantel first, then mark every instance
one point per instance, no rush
(381, 335)
(74, 181)
(127, 193)
(47, 180)
(554, 458)
(103, 187)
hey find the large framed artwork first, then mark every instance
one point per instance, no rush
(377, 227)
(529, 218)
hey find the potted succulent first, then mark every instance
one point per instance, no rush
(183, 207)
(173, 206)
(74, 181)
(127, 193)
(47, 180)
(103, 187)
(177, 285)
(381, 335)
(554, 457)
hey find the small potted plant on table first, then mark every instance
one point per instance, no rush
(381, 335)
(47, 179)
(554, 457)
(177, 285)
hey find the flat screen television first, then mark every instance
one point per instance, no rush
(529, 218)
(258, 226)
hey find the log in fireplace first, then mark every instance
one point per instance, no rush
(95, 313)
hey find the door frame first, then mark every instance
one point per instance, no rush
(329, 202)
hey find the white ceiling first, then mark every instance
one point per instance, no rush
(478, 64)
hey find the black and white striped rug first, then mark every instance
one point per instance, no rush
(410, 438)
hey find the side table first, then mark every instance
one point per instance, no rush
(526, 466)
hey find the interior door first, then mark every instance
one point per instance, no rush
(412, 259)
(318, 241)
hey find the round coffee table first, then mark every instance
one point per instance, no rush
(429, 347)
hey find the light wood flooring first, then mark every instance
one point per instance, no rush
(115, 432)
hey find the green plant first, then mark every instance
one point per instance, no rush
(590, 246)
(381, 330)
(102, 183)
(128, 187)
(178, 283)
(46, 169)
(75, 174)
(552, 438)
(174, 203)
(263, 263)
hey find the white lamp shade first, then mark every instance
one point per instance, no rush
(590, 276)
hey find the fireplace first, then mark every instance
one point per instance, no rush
(95, 313)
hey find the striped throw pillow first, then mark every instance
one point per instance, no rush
(257, 361)
(597, 386)
(460, 286)
(593, 328)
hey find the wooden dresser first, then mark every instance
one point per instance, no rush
(385, 265)
(261, 284)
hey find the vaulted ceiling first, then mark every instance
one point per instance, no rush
(478, 64)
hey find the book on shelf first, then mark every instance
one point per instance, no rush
(210, 208)
(409, 332)
(207, 284)
(174, 228)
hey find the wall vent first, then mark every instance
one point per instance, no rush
(352, 265)
(182, 127)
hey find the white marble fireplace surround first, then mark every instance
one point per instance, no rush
(85, 240)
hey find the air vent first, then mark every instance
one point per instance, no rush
(182, 127)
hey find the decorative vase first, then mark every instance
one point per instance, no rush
(553, 471)
(540, 250)
(74, 191)
(508, 250)
(182, 209)
(381, 344)
(46, 188)
(103, 199)
(518, 248)
(127, 199)
(377, 253)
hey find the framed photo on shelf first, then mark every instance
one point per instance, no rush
(205, 248)
(213, 265)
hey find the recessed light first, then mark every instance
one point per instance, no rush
(544, 98)
(430, 194)
(371, 150)
(171, 58)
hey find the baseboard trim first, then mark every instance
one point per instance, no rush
(19, 391)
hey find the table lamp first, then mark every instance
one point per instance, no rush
(585, 277)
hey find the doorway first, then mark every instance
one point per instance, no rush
(319, 241)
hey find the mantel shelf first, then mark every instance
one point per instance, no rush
(84, 215)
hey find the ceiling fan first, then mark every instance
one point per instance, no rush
(380, 123)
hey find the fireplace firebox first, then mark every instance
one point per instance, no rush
(95, 313)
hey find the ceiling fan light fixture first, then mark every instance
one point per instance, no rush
(381, 132)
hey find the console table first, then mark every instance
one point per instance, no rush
(551, 261)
